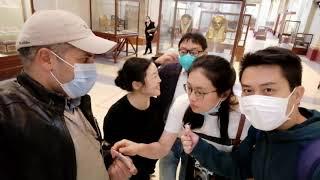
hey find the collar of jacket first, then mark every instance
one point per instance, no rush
(56, 102)
(50, 99)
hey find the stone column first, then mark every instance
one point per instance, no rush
(142, 16)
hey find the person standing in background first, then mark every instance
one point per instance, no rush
(149, 31)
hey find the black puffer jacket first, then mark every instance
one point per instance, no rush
(35, 143)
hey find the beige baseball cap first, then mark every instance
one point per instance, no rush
(49, 27)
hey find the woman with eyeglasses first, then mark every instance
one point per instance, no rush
(209, 107)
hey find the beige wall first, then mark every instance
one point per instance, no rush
(79, 7)
(11, 14)
(314, 27)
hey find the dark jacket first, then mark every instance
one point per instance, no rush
(149, 35)
(35, 141)
(169, 75)
(273, 155)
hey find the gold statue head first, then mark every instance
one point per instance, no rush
(186, 19)
(185, 24)
(218, 22)
(217, 29)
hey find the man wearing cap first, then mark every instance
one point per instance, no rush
(47, 130)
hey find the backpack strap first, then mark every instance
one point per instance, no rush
(239, 131)
(309, 160)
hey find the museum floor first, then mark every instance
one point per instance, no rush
(105, 93)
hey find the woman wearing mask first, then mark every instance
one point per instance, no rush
(209, 107)
(149, 31)
(134, 116)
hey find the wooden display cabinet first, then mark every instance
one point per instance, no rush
(118, 21)
(10, 66)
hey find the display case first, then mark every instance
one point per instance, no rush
(289, 31)
(11, 21)
(261, 33)
(243, 38)
(219, 21)
(301, 43)
(117, 20)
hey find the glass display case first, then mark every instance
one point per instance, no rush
(301, 43)
(243, 38)
(11, 21)
(289, 31)
(117, 20)
(218, 21)
(291, 27)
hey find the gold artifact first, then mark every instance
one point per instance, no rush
(217, 29)
(103, 22)
(185, 24)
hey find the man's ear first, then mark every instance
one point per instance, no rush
(298, 94)
(44, 58)
(136, 85)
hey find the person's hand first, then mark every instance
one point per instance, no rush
(126, 147)
(188, 139)
(167, 58)
(122, 168)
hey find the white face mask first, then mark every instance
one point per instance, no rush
(265, 112)
(85, 76)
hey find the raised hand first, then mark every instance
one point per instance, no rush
(126, 147)
(188, 139)
(167, 58)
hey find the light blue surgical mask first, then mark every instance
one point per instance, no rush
(186, 61)
(85, 76)
(214, 109)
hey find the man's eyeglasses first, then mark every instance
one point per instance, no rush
(197, 93)
(191, 52)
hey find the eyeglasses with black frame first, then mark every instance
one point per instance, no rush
(197, 94)
(192, 52)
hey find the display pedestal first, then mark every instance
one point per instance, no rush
(239, 53)
(123, 41)
(299, 50)
(314, 54)
(10, 66)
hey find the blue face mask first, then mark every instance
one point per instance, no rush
(214, 109)
(85, 76)
(186, 61)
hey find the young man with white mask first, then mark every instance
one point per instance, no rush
(47, 129)
(284, 141)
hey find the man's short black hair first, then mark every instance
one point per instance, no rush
(289, 63)
(195, 38)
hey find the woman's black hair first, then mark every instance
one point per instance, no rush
(222, 76)
(134, 69)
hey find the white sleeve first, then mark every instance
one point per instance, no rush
(174, 122)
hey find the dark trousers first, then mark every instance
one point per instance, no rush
(148, 44)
